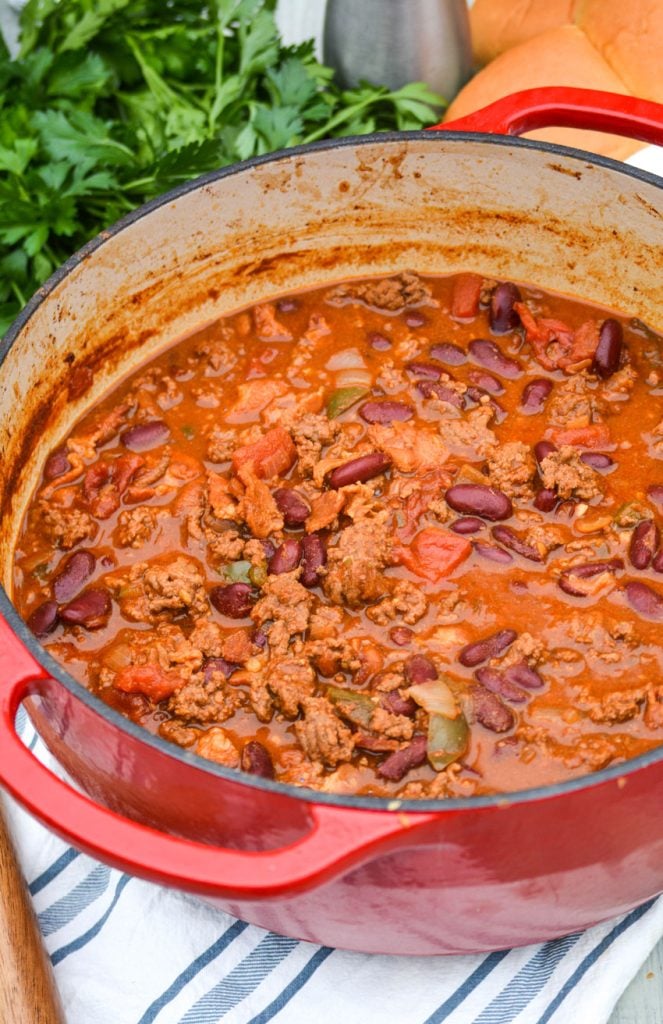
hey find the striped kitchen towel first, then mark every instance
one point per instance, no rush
(129, 952)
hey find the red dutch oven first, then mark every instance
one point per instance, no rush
(418, 877)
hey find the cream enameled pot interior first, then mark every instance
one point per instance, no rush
(431, 202)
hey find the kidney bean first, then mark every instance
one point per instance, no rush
(490, 647)
(467, 524)
(491, 356)
(291, 505)
(609, 349)
(358, 471)
(585, 571)
(523, 674)
(419, 669)
(509, 539)
(57, 464)
(534, 395)
(398, 705)
(401, 635)
(501, 315)
(90, 609)
(421, 369)
(402, 761)
(286, 558)
(43, 619)
(450, 354)
(493, 554)
(379, 341)
(542, 449)
(234, 599)
(644, 543)
(268, 548)
(431, 389)
(72, 575)
(145, 435)
(479, 500)
(657, 561)
(644, 600)
(287, 305)
(415, 319)
(597, 460)
(489, 710)
(256, 760)
(498, 683)
(486, 382)
(545, 500)
(385, 412)
(314, 556)
(259, 638)
(655, 493)
(213, 665)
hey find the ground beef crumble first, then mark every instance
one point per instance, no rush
(322, 734)
(284, 608)
(565, 472)
(512, 469)
(392, 293)
(67, 526)
(136, 526)
(354, 565)
(157, 590)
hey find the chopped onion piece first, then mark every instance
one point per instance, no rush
(435, 697)
(346, 359)
(117, 656)
(351, 378)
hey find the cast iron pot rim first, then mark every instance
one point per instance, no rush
(94, 703)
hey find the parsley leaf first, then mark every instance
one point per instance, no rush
(110, 102)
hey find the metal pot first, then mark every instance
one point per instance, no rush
(362, 873)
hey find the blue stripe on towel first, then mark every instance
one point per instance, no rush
(194, 968)
(21, 720)
(75, 901)
(291, 990)
(592, 957)
(241, 981)
(58, 866)
(527, 982)
(72, 947)
(463, 991)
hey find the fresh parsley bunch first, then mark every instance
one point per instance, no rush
(110, 102)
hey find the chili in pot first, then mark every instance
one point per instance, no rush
(395, 537)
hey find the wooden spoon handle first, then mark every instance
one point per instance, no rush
(28, 994)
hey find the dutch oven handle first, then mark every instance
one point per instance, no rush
(565, 107)
(338, 839)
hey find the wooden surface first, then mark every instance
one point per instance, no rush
(642, 1003)
(27, 988)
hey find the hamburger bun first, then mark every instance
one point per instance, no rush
(497, 25)
(559, 56)
(629, 37)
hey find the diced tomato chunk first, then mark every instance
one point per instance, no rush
(434, 553)
(583, 349)
(541, 333)
(465, 296)
(148, 679)
(595, 435)
(272, 455)
(126, 468)
(254, 396)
